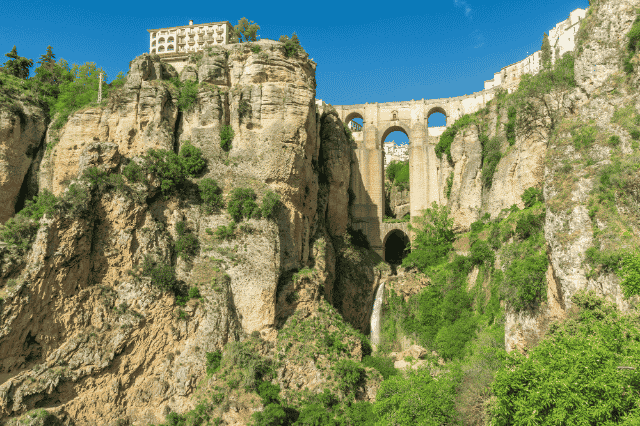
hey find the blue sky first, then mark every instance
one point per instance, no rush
(365, 51)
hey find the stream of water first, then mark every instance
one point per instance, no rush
(376, 316)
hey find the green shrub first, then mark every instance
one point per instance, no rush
(188, 95)
(511, 125)
(527, 278)
(531, 197)
(315, 415)
(134, 172)
(481, 253)
(273, 415)
(350, 374)
(573, 376)
(226, 232)
(614, 141)
(194, 293)
(449, 184)
(211, 194)
(491, 156)
(213, 361)
(382, 364)
(21, 229)
(608, 261)
(269, 393)
(226, 137)
(632, 45)
(417, 399)
(242, 204)
(291, 45)
(269, 203)
(394, 168)
(433, 238)
(584, 137)
(191, 159)
(187, 244)
(630, 274)
(256, 48)
(529, 224)
(162, 276)
(635, 134)
(96, 177)
(75, 200)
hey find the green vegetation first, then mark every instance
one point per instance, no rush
(245, 31)
(512, 115)
(173, 169)
(17, 66)
(491, 156)
(187, 244)
(545, 52)
(242, 204)
(226, 137)
(226, 232)
(270, 201)
(291, 45)
(213, 361)
(446, 139)
(398, 173)
(433, 240)
(162, 275)
(21, 229)
(583, 372)
(211, 194)
(449, 184)
(632, 45)
(188, 93)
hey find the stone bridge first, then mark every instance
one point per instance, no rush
(411, 118)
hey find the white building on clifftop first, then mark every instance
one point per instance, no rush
(174, 44)
(562, 39)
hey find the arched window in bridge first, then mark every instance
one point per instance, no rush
(354, 122)
(394, 115)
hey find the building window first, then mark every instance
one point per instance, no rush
(153, 44)
(161, 49)
(154, 35)
(170, 48)
(161, 40)
(153, 50)
(170, 40)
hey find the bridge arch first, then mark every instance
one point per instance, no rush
(350, 116)
(395, 245)
(395, 128)
(437, 109)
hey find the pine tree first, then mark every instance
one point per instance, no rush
(545, 54)
(17, 65)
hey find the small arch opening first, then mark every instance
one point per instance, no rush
(437, 117)
(396, 247)
(161, 40)
(355, 122)
(161, 49)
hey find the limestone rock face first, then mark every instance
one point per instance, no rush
(521, 167)
(466, 192)
(398, 201)
(607, 23)
(335, 157)
(21, 135)
(79, 328)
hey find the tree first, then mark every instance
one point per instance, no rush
(545, 52)
(245, 30)
(434, 238)
(291, 45)
(17, 65)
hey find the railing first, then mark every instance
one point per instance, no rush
(355, 126)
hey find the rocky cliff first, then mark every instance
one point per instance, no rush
(87, 335)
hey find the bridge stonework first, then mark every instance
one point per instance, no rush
(412, 118)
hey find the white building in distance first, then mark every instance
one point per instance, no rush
(562, 39)
(175, 44)
(394, 152)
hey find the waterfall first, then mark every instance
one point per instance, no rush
(376, 316)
